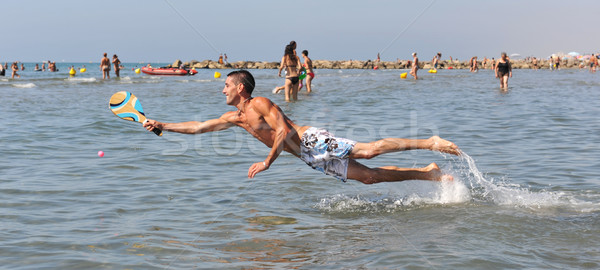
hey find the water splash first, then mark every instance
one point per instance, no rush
(470, 185)
(504, 193)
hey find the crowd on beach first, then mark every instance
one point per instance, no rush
(296, 71)
(301, 73)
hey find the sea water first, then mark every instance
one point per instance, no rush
(526, 190)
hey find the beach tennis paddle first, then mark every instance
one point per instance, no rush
(126, 106)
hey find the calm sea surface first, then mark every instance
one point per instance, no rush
(526, 193)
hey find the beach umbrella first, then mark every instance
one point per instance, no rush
(574, 54)
(515, 55)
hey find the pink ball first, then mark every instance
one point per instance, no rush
(100, 153)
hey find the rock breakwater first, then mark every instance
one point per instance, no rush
(369, 64)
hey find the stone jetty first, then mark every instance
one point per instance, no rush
(369, 64)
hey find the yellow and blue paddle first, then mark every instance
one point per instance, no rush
(126, 106)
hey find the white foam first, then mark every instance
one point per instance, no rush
(401, 196)
(24, 85)
(73, 79)
(453, 192)
(586, 204)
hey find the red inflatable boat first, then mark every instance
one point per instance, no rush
(168, 71)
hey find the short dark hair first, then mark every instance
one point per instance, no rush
(305, 52)
(244, 77)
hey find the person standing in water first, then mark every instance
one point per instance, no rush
(105, 67)
(415, 66)
(503, 70)
(292, 66)
(473, 64)
(593, 63)
(116, 64)
(557, 62)
(310, 75)
(436, 60)
(15, 68)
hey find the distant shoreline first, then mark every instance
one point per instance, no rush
(369, 64)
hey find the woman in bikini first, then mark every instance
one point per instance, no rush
(116, 63)
(15, 68)
(292, 65)
(415, 66)
(310, 75)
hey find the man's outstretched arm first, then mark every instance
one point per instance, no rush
(191, 127)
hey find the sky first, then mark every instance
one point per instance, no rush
(166, 30)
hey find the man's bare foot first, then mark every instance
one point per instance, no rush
(434, 173)
(441, 145)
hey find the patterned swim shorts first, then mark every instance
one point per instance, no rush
(326, 153)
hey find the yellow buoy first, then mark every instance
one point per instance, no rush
(217, 75)
(403, 75)
(137, 71)
(82, 70)
(72, 72)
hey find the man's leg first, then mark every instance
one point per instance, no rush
(373, 149)
(366, 175)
